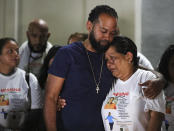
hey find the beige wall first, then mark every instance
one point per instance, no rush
(7, 20)
(125, 10)
(63, 16)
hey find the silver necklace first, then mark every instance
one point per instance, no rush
(101, 69)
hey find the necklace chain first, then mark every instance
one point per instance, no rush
(101, 69)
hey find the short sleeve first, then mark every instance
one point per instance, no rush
(143, 61)
(158, 103)
(147, 75)
(60, 63)
(36, 93)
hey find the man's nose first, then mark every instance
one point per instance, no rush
(107, 36)
(37, 39)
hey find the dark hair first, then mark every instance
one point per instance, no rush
(78, 37)
(123, 45)
(101, 9)
(44, 69)
(164, 62)
(3, 42)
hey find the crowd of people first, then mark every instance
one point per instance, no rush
(97, 82)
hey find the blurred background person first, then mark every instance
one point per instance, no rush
(24, 96)
(33, 51)
(75, 37)
(166, 67)
(46, 64)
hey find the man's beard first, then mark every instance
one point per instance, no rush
(97, 45)
(40, 50)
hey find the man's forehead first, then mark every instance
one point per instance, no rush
(36, 29)
(38, 26)
(107, 22)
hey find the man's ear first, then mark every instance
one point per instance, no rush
(129, 57)
(48, 35)
(27, 34)
(89, 26)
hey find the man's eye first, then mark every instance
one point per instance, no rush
(34, 36)
(103, 31)
(113, 33)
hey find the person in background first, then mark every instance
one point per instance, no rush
(77, 37)
(166, 67)
(134, 111)
(23, 97)
(46, 64)
(33, 51)
(80, 76)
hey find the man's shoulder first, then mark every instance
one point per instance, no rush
(76, 46)
(142, 57)
(143, 61)
(72, 51)
(145, 73)
(24, 46)
(49, 46)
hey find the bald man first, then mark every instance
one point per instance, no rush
(33, 51)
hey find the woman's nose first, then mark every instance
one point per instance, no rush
(108, 64)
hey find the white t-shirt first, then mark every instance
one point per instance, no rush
(14, 98)
(143, 61)
(130, 112)
(169, 116)
(35, 64)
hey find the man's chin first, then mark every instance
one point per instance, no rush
(37, 50)
(103, 48)
(103, 43)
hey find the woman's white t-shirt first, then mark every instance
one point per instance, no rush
(131, 106)
(14, 100)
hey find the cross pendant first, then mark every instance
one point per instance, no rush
(97, 89)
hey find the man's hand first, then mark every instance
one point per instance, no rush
(154, 87)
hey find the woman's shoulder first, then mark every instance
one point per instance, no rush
(22, 72)
(144, 75)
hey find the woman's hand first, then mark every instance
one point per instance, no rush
(61, 103)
